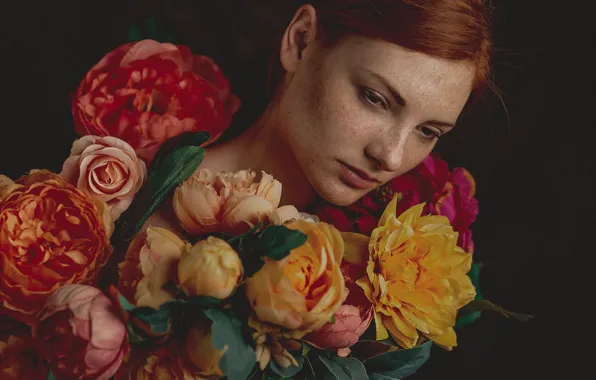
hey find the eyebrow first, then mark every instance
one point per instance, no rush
(401, 101)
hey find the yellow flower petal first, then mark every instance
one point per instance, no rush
(448, 340)
(381, 331)
(356, 248)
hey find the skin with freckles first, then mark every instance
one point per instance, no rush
(347, 118)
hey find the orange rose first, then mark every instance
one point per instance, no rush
(301, 292)
(146, 92)
(51, 234)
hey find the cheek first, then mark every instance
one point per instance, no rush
(326, 118)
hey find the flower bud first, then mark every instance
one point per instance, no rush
(210, 268)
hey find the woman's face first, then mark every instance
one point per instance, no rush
(365, 111)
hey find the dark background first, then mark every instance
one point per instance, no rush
(529, 155)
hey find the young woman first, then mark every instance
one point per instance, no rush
(363, 91)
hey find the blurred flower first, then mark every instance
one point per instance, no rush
(167, 362)
(200, 350)
(225, 202)
(108, 169)
(210, 268)
(150, 263)
(301, 292)
(51, 234)
(273, 346)
(79, 336)
(19, 358)
(147, 92)
(416, 277)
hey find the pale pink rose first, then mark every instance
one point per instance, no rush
(222, 201)
(108, 169)
(79, 335)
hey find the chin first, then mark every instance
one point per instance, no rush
(339, 194)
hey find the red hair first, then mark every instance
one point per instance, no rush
(456, 30)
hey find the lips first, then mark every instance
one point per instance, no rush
(357, 178)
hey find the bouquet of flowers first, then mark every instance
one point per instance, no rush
(135, 263)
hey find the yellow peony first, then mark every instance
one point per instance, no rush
(301, 292)
(416, 277)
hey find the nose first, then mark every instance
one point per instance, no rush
(388, 153)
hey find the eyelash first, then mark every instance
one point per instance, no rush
(435, 135)
(377, 100)
(373, 98)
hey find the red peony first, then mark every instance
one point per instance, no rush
(147, 92)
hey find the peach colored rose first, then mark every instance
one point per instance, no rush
(51, 234)
(146, 92)
(108, 169)
(228, 202)
(79, 335)
(150, 263)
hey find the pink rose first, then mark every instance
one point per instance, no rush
(79, 335)
(146, 92)
(351, 321)
(108, 169)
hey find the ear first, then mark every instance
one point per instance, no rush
(299, 37)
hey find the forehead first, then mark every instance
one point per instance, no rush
(421, 79)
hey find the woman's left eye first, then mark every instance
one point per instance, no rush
(429, 132)
(373, 98)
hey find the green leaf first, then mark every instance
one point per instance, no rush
(124, 304)
(305, 348)
(276, 242)
(478, 305)
(154, 322)
(240, 358)
(269, 374)
(336, 368)
(368, 349)
(203, 301)
(237, 240)
(292, 370)
(174, 165)
(152, 28)
(177, 142)
(398, 364)
(50, 376)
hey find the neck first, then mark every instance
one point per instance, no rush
(263, 148)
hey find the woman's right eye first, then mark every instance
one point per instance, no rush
(373, 98)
